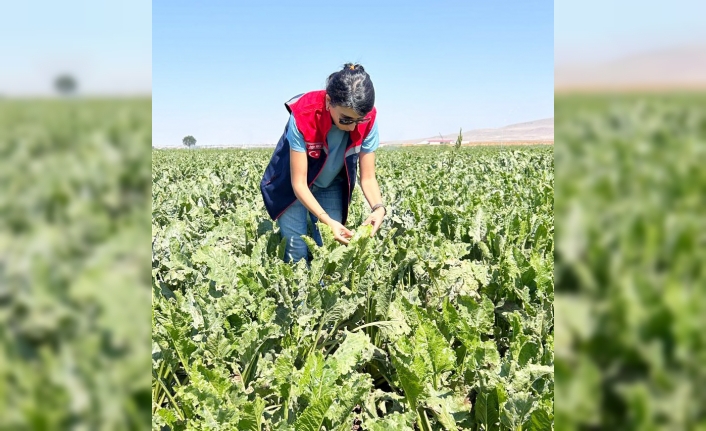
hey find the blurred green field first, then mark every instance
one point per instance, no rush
(631, 289)
(74, 264)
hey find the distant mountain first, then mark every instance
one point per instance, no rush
(538, 130)
(682, 67)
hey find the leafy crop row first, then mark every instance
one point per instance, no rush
(444, 320)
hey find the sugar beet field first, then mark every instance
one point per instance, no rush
(442, 321)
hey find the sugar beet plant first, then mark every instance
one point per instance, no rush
(443, 320)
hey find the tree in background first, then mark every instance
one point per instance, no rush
(65, 84)
(189, 141)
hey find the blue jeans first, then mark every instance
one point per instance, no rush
(294, 221)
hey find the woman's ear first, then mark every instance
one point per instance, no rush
(328, 102)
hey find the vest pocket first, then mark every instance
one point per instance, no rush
(274, 177)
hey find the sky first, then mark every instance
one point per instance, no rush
(604, 30)
(222, 70)
(106, 45)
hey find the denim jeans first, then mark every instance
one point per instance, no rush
(294, 222)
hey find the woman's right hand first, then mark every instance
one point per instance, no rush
(340, 232)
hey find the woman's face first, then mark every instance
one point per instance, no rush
(341, 115)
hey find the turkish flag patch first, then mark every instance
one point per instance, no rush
(313, 149)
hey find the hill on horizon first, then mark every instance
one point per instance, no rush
(536, 130)
(530, 131)
(679, 67)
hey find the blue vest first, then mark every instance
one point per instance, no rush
(314, 123)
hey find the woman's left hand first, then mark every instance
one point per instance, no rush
(375, 219)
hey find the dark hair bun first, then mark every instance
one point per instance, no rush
(353, 66)
(351, 87)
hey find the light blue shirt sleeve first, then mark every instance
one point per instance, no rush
(372, 141)
(294, 136)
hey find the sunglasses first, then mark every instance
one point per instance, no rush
(348, 121)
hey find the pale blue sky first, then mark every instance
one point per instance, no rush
(601, 30)
(105, 44)
(221, 72)
(223, 69)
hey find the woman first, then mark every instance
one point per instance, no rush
(313, 169)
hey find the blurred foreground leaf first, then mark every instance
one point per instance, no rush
(631, 285)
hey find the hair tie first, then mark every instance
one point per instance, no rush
(352, 66)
